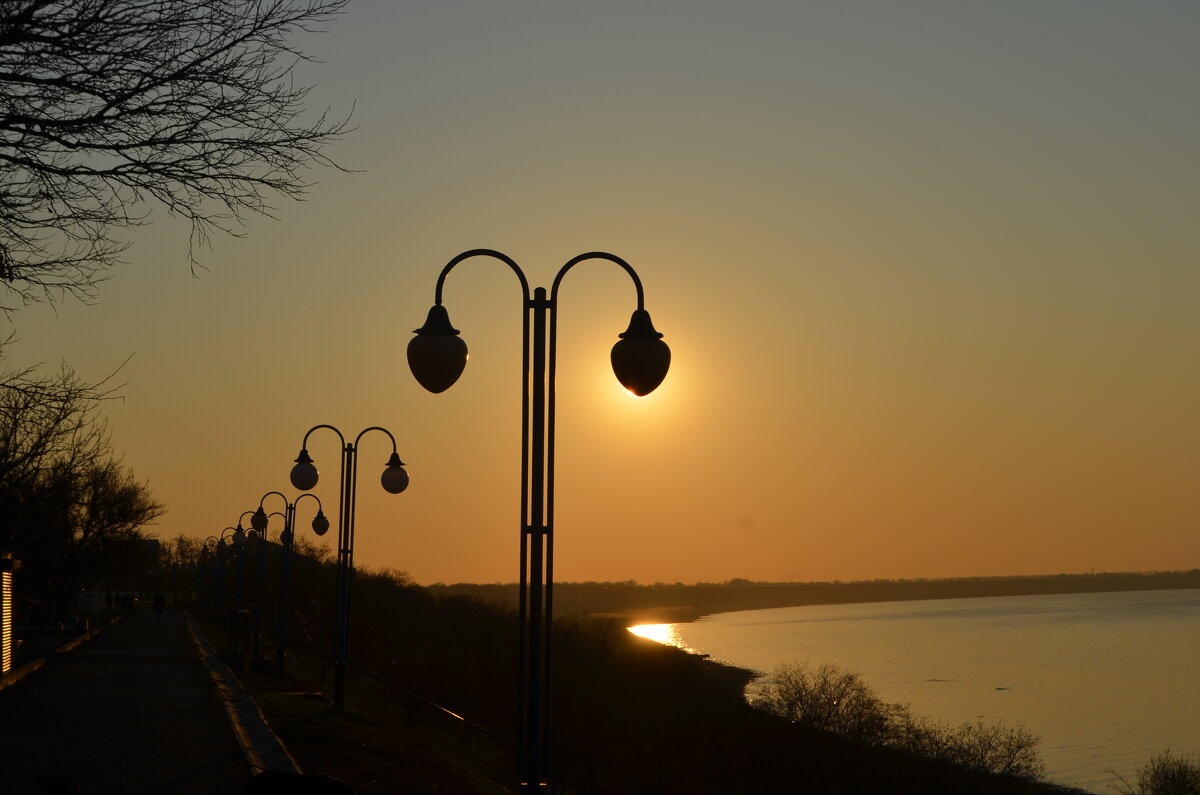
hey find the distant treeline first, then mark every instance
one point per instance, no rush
(671, 602)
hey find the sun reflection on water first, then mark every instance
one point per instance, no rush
(660, 633)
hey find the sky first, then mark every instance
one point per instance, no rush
(929, 272)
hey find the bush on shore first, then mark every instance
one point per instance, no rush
(1164, 774)
(835, 700)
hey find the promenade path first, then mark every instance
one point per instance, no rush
(134, 710)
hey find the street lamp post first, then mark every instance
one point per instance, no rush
(437, 356)
(240, 537)
(304, 476)
(235, 543)
(259, 521)
(209, 564)
(259, 535)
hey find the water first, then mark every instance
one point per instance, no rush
(1105, 680)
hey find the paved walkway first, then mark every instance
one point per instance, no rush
(134, 710)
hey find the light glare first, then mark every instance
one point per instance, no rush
(659, 633)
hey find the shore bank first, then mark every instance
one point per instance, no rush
(678, 603)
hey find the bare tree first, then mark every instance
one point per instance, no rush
(110, 106)
(71, 511)
(46, 420)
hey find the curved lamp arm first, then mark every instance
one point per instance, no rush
(637, 282)
(204, 548)
(223, 545)
(305, 475)
(480, 252)
(395, 477)
(263, 499)
(363, 432)
(263, 533)
(310, 496)
(320, 522)
(260, 518)
(438, 355)
(239, 536)
(640, 359)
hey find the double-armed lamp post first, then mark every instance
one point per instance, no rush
(259, 536)
(259, 521)
(222, 552)
(237, 540)
(240, 537)
(208, 561)
(304, 477)
(437, 356)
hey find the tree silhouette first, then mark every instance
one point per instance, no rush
(72, 511)
(110, 106)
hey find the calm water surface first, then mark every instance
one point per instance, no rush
(1105, 680)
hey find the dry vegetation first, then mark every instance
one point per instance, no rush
(631, 716)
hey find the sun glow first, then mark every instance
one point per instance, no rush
(608, 394)
(659, 633)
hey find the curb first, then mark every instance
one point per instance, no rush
(263, 749)
(10, 678)
(72, 644)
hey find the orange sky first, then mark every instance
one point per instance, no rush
(928, 272)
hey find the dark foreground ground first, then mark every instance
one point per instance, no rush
(136, 709)
(130, 710)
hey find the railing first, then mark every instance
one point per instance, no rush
(416, 703)
(437, 707)
(311, 662)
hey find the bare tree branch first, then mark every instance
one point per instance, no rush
(110, 106)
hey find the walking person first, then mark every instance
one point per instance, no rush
(160, 604)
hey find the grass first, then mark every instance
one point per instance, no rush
(377, 751)
(379, 745)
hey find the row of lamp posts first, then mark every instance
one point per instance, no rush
(215, 552)
(437, 356)
(259, 521)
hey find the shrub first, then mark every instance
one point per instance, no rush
(838, 701)
(996, 748)
(1164, 774)
(827, 698)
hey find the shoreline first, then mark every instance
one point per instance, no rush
(1066, 770)
(764, 596)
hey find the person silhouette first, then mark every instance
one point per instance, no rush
(160, 604)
